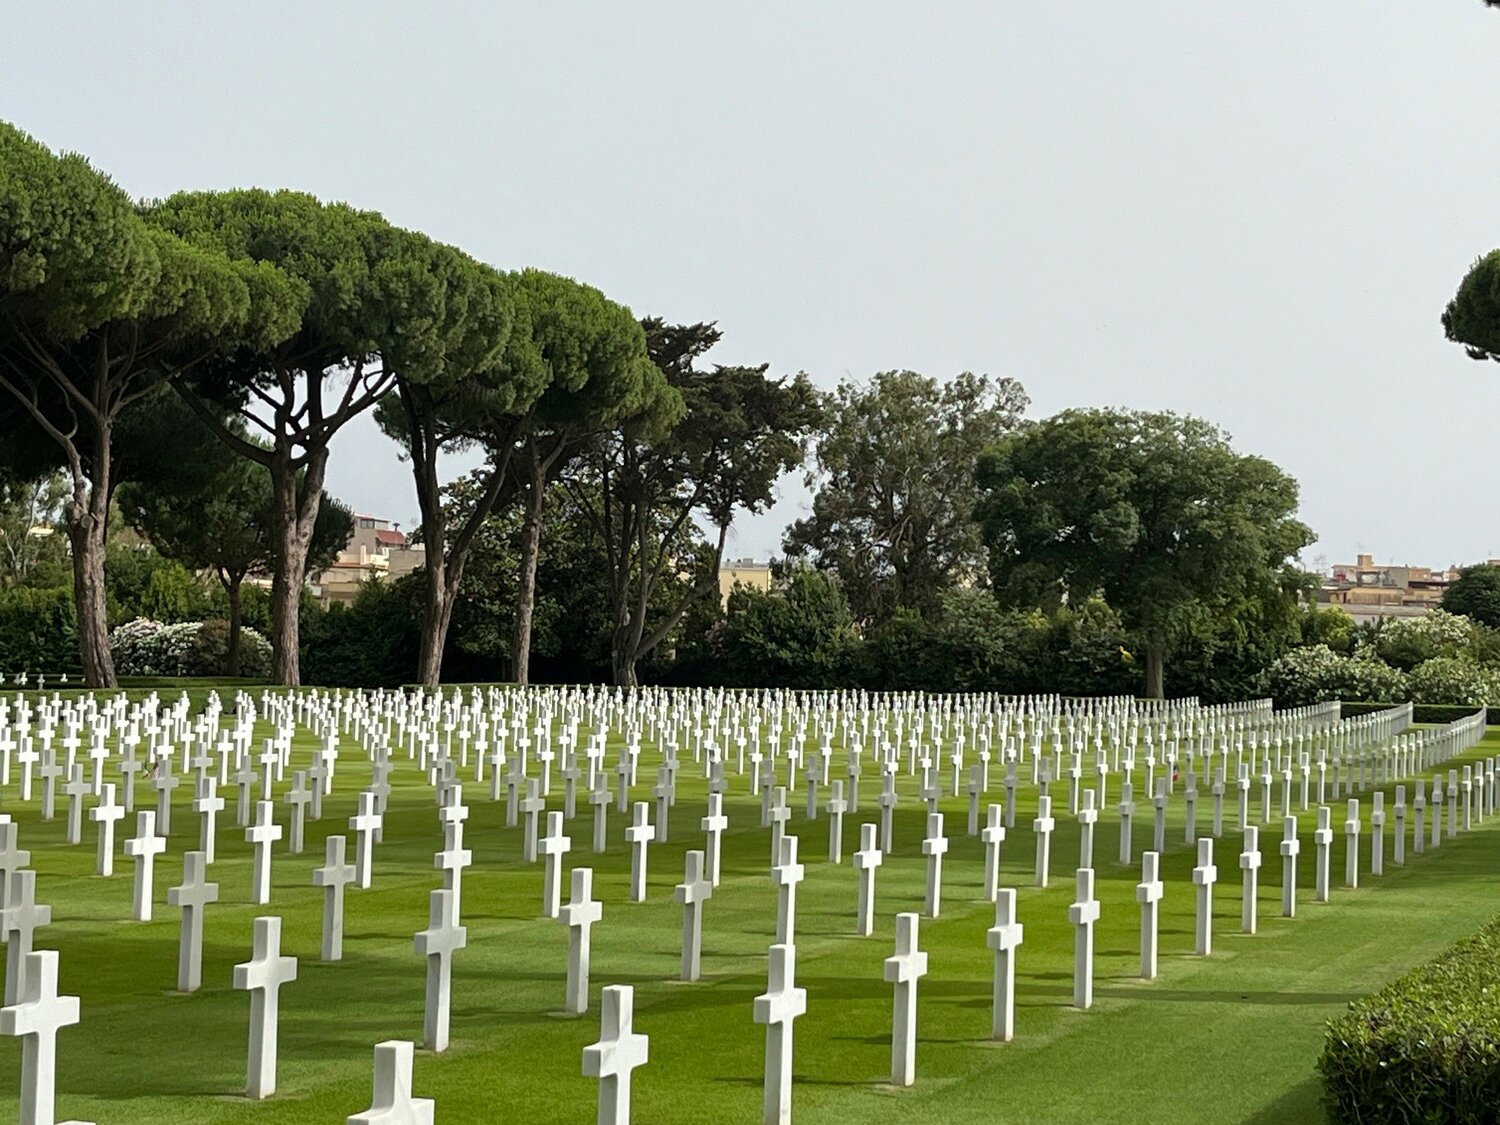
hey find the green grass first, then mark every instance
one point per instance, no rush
(1229, 1038)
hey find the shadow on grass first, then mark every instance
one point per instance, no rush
(1301, 1105)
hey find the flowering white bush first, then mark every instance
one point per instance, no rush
(191, 648)
(1317, 674)
(1408, 641)
(1448, 679)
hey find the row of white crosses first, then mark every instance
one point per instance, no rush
(444, 936)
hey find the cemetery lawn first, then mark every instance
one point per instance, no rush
(1229, 1038)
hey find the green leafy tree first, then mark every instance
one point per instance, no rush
(96, 308)
(798, 634)
(1476, 593)
(1155, 512)
(644, 485)
(893, 479)
(599, 376)
(371, 301)
(479, 398)
(219, 516)
(32, 552)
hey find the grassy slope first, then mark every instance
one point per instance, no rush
(1231, 1038)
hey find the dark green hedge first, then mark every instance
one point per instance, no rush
(1424, 712)
(1426, 1048)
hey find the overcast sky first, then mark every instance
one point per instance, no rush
(1250, 212)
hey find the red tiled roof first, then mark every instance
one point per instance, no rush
(390, 538)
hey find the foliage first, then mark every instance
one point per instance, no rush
(1406, 642)
(894, 494)
(38, 632)
(369, 643)
(1317, 674)
(1331, 626)
(142, 583)
(715, 445)
(33, 549)
(1156, 512)
(1476, 593)
(1449, 679)
(1424, 1049)
(799, 634)
(143, 647)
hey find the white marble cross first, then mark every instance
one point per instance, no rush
(639, 834)
(531, 807)
(1351, 845)
(1126, 809)
(106, 813)
(903, 970)
(1250, 880)
(692, 893)
(992, 835)
(553, 847)
(1005, 937)
(262, 976)
(579, 915)
(193, 895)
(333, 877)
(144, 847)
(77, 789)
(12, 858)
(779, 814)
(36, 1016)
(836, 807)
(364, 823)
(617, 1054)
(442, 938)
(1205, 875)
(714, 825)
(299, 797)
(1148, 892)
(786, 875)
(1322, 845)
(1082, 915)
(391, 1102)
(1377, 834)
(866, 860)
(1290, 847)
(208, 805)
(262, 834)
(19, 922)
(452, 861)
(1042, 828)
(934, 847)
(777, 1008)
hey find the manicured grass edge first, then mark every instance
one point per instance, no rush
(1426, 1047)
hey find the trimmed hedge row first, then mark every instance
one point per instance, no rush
(1438, 713)
(1426, 1048)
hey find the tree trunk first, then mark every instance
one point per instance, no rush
(88, 526)
(435, 616)
(1156, 664)
(86, 533)
(232, 657)
(296, 512)
(531, 542)
(622, 662)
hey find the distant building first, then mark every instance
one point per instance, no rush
(378, 549)
(743, 572)
(1369, 591)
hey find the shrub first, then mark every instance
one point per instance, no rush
(1447, 679)
(190, 648)
(38, 631)
(1317, 674)
(1408, 641)
(1426, 1048)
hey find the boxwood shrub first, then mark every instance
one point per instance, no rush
(1426, 1048)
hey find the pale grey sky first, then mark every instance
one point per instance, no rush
(1250, 212)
